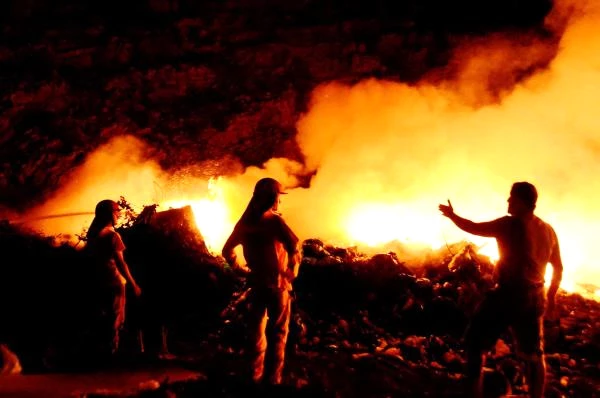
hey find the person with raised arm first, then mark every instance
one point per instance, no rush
(526, 244)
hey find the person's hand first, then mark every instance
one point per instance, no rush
(447, 210)
(137, 290)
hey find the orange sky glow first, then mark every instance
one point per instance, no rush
(386, 154)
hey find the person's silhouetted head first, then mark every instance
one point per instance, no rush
(106, 213)
(267, 191)
(106, 208)
(265, 197)
(523, 198)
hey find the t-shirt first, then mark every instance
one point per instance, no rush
(525, 248)
(104, 248)
(266, 245)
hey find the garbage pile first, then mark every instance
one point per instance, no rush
(375, 319)
(378, 310)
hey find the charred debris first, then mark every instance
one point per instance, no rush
(365, 316)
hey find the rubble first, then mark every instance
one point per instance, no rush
(352, 312)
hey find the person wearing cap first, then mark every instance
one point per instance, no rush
(270, 249)
(105, 246)
(526, 244)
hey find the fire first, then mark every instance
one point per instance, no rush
(383, 155)
(212, 215)
(375, 225)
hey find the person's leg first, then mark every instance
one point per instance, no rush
(486, 325)
(136, 326)
(279, 310)
(118, 316)
(474, 377)
(111, 306)
(536, 375)
(528, 333)
(257, 345)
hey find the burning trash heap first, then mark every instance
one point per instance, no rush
(362, 325)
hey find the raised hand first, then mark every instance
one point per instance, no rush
(447, 210)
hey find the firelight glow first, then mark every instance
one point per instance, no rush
(378, 224)
(211, 214)
(382, 155)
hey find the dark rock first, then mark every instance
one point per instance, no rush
(314, 248)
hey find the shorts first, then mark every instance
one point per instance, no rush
(518, 309)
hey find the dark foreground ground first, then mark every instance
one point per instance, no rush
(362, 326)
(408, 366)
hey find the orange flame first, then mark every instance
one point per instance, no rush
(385, 154)
(212, 215)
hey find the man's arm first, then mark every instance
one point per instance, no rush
(488, 229)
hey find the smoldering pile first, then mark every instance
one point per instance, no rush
(376, 320)
(377, 313)
(49, 294)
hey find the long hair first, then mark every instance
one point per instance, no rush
(258, 205)
(103, 217)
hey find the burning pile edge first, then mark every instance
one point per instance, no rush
(354, 315)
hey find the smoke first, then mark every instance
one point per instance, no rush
(509, 107)
(118, 168)
(512, 113)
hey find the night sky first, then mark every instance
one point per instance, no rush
(215, 85)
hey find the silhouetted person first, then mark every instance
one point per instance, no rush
(106, 248)
(526, 244)
(271, 252)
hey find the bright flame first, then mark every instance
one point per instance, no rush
(211, 214)
(377, 224)
(384, 154)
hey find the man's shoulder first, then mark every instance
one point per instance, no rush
(543, 224)
(504, 220)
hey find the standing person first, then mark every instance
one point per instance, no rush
(271, 252)
(526, 244)
(106, 247)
